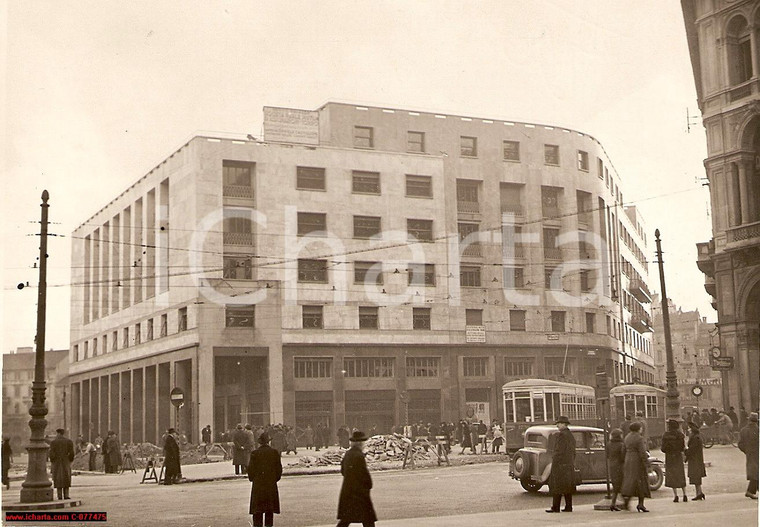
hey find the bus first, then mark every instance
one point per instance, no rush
(630, 399)
(529, 402)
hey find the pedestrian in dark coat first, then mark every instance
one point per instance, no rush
(673, 446)
(562, 476)
(111, 453)
(239, 445)
(748, 443)
(7, 460)
(635, 480)
(171, 458)
(355, 504)
(696, 461)
(264, 471)
(615, 460)
(61, 456)
(474, 436)
(308, 437)
(278, 439)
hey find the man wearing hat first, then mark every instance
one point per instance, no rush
(171, 458)
(61, 456)
(264, 471)
(240, 442)
(561, 479)
(355, 505)
(748, 443)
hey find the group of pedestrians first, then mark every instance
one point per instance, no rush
(354, 504)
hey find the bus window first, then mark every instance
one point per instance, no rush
(522, 403)
(538, 407)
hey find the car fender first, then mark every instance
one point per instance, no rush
(546, 472)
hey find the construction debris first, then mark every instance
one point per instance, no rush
(377, 448)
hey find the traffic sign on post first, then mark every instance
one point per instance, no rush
(177, 397)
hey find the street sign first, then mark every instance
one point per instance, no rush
(723, 363)
(552, 336)
(177, 397)
(696, 390)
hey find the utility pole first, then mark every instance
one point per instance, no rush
(37, 487)
(672, 405)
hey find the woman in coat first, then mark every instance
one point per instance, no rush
(673, 446)
(635, 480)
(355, 504)
(615, 460)
(562, 476)
(748, 443)
(264, 471)
(7, 461)
(696, 461)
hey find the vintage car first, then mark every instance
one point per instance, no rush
(532, 464)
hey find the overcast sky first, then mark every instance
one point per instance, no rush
(97, 93)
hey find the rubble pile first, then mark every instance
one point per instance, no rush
(377, 448)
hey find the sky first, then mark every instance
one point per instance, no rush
(95, 94)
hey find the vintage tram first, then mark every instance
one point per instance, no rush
(632, 399)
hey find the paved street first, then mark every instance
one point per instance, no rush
(445, 496)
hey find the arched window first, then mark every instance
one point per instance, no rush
(739, 45)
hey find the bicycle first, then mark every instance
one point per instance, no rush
(714, 434)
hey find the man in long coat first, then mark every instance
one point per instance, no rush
(355, 504)
(239, 444)
(171, 458)
(111, 453)
(561, 479)
(61, 456)
(748, 443)
(264, 471)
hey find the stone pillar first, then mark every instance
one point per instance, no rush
(734, 201)
(744, 190)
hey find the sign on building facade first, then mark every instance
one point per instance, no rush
(288, 125)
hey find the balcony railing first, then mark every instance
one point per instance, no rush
(641, 323)
(238, 191)
(238, 238)
(511, 214)
(638, 288)
(514, 251)
(743, 233)
(741, 91)
(470, 207)
(472, 249)
(552, 253)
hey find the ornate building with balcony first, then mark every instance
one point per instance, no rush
(724, 44)
(360, 266)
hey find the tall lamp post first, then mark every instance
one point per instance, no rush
(37, 487)
(672, 404)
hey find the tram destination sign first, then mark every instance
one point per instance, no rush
(723, 363)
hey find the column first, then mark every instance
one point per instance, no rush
(734, 204)
(744, 188)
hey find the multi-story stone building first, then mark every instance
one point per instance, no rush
(18, 374)
(361, 266)
(724, 39)
(692, 339)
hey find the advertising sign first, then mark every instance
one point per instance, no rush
(288, 125)
(475, 334)
(723, 363)
(478, 411)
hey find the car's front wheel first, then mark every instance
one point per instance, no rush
(531, 486)
(655, 477)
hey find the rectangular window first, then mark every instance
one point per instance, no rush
(651, 406)
(310, 178)
(468, 146)
(511, 198)
(148, 330)
(312, 271)
(558, 321)
(366, 226)
(559, 366)
(582, 160)
(469, 238)
(590, 318)
(237, 227)
(551, 247)
(182, 319)
(469, 276)
(105, 344)
(551, 155)
(368, 318)
(473, 317)
(95, 345)
(587, 280)
(311, 317)
(125, 341)
(518, 368)
(363, 182)
(364, 137)
(415, 141)
(239, 316)
(312, 223)
(516, 320)
(423, 366)
(368, 273)
(600, 168)
(421, 318)
(237, 267)
(76, 358)
(115, 341)
(164, 324)
(552, 277)
(369, 367)
(467, 193)
(419, 186)
(312, 368)
(421, 274)
(475, 366)
(420, 230)
(550, 198)
(514, 277)
(237, 177)
(511, 151)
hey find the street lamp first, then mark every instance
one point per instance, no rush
(672, 405)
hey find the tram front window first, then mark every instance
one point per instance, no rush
(630, 408)
(522, 405)
(538, 408)
(640, 405)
